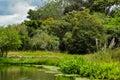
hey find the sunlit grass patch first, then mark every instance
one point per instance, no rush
(37, 53)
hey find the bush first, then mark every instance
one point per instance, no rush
(95, 70)
(116, 54)
(72, 66)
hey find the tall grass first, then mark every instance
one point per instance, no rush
(38, 54)
(116, 55)
(107, 55)
(20, 61)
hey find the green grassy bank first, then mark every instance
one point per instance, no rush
(98, 65)
(37, 57)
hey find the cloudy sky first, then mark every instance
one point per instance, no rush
(15, 11)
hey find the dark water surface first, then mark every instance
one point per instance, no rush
(27, 73)
(24, 73)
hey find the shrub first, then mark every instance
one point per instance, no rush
(116, 54)
(95, 70)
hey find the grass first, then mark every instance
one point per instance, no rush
(37, 57)
(39, 54)
(98, 65)
(19, 61)
(104, 56)
(48, 56)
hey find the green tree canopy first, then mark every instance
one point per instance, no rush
(9, 40)
(85, 30)
(43, 41)
(102, 6)
(23, 33)
(52, 9)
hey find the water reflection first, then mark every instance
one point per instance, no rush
(27, 73)
(24, 73)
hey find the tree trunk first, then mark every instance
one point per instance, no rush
(5, 54)
(1, 53)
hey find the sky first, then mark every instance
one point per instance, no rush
(15, 11)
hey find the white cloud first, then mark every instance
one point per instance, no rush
(9, 19)
(19, 12)
(21, 7)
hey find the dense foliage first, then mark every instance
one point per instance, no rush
(75, 26)
(93, 70)
(9, 40)
(85, 30)
(43, 41)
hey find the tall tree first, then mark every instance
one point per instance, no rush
(52, 9)
(23, 33)
(9, 40)
(103, 6)
(85, 29)
(94, 5)
(77, 5)
(43, 41)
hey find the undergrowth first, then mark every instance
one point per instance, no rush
(92, 70)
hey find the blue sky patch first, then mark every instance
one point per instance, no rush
(15, 11)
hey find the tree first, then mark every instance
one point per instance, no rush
(32, 25)
(104, 6)
(52, 9)
(9, 40)
(60, 27)
(113, 29)
(85, 30)
(23, 33)
(77, 5)
(43, 41)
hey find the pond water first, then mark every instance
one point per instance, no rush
(27, 73)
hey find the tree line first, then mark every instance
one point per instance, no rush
(75, 26)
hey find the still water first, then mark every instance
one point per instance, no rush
(27, 73)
